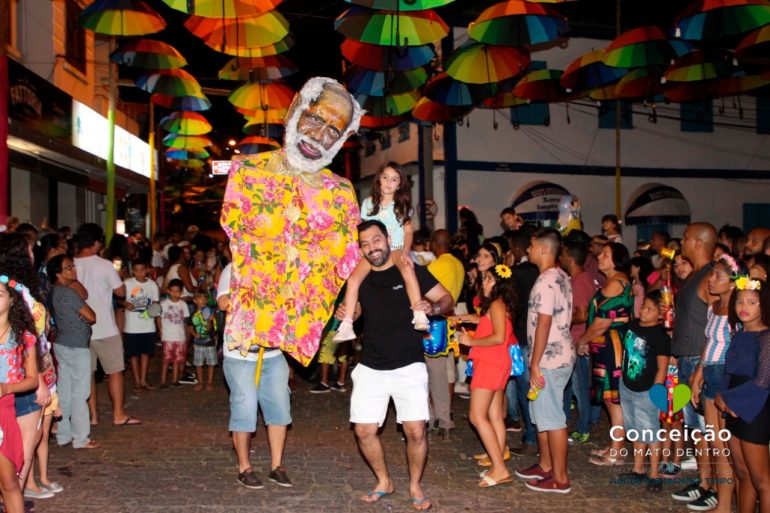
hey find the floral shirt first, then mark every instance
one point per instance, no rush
(552, 295)
(294, 242)
(12, 357)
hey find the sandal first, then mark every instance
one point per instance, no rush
(488, 482)
(607, 461)
(92, 444)
(600, 452)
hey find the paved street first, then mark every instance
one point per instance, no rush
(181, 461)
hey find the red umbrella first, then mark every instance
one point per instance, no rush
(381, 122)
(542, 85)
(433, 112)
(640, 83)
(643, 47)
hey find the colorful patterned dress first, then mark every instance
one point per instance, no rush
(293, 238)
(607, 349)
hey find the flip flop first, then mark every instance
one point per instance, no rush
(487, 482)
(379, 496)
(130, 421)
(92, 444)
(419, 504)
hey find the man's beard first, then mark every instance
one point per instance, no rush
(378, 260)
(292, 138)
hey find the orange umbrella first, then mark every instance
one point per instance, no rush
(223, 8)
(257, 51)
(255, 96)
(247, 32)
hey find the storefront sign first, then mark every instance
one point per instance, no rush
(36, 103)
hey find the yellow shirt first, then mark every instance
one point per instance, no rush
(449, 272)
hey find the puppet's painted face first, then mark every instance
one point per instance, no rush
(316, 130)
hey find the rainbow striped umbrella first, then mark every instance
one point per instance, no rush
(263, 117)
(381, 122)
(640, 83)
(121, 18)
(378, 57)
(223, 8)
(401, 5)
(256, 96)
(643, 47)
(588, 72)
(148, 53)
(701, 65)
(185, 123)
(389, 28)
(169, 82)
(195, 103)
(257, 51)
(428, 111)
(719, 19)
(265, 69)
(272, 130)
(445, 90)
(517, 23)
(247, 32)
(173, 153)
(390, 105)
(479, 63)
(187, 142)
(257, 144)
(503, 100)
(754, 49)
(543, 85)
(382, 83)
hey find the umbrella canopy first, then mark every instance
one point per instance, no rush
(444, 89)
(257, 51)
(718, 19)
(257, 144)
(274, 67)
(433, 112)
(391, 28)
(517, 23)
(700, 65)
(382, 83)
(247, 32)
(185, 123)
(273, 130)
(256, 96)
(388, 106)
(401, 5)
(223, 8)
(173, 153)
(195, 103)
(503, 100)
(378, 57)
(381, 122)
(542, 85)
(640, 83)
(589, 71)
(121, 18)
(263, 117)
(169, 82)
(150, 54)
(754, 49)
(187, 142)
(643, 47)
(479, 63)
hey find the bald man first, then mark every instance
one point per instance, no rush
(754, 244)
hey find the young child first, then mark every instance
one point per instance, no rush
(743, 395)
(139, 330)
(646, 349)
(204, 346)
(492, 368)
(18, 373)
(171, 328)
(390, 203)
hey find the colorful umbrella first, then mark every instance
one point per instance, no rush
(381, 83)
(223, 8)
(169, 82)
(173, 153)
(391, 28)
(185, 123)
(640, 83)
(263, 117)
(643, 47)
(700, 65)
(444, 89)
(272, 130)
(433, 112)
(381, 122)
(754, 49)
(257, 144)
(542, 85)
(189, 163)
(247, 32)
(503, 100)
(256, 96)
(187, 142)
(479, 63)
(718, 19)
(121, 18)
(257, 51)
(380, 58)
(401, 5)
(148, 53)
(265, 69)
(391, 105)
(195, 103)
(588, 72)
(517, 23)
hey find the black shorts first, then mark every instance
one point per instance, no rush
(137, 344)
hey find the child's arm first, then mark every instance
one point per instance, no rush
(30, 381)
(497, 337)
(660, 376)
(408, 236)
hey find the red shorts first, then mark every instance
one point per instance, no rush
(489, 375)
(174, 351)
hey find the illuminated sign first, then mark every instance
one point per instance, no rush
(89, 133)
(220, 167)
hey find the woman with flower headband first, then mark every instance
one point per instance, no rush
(492, 368)
(708, 376)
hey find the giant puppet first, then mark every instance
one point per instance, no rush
(292, 227)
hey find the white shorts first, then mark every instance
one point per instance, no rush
(372, 390)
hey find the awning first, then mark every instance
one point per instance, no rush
(655, 203)
(539, 201)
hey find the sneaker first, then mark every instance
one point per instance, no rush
(532, 473)
(338, 387)
(53, 486)
(420, 321)
(320, 388)
(548, 485)
(690, 493)
(578, 438)
(188, 379)
(706, 502)
(345, 332)
(42, 494)
(690, 463)
(513, 426)
(250, 480)
(279, 477)
(669, 470)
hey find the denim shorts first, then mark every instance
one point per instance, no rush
(712, 378)
(25, 403)
(547, 410)
(272, 396)
(639, 414)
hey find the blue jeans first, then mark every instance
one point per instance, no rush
(512, 401)
(522, 387)
(580, 386)
(687, 365)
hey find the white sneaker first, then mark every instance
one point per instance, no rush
(420, 321)
(345, 332)
(461, 388)
(689, 463)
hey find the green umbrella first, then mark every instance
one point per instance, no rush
(170, 82)
(401, 5)
(391, 28)
(148, 53)
(186, 123)
(391, 105)
(187, 142)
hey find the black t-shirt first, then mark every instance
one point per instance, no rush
(525, 275)
(641, 348)
(390, 340)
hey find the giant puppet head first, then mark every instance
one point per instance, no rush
(321, 117)
(569, 214)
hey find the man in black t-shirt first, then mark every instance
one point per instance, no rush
(392, 363)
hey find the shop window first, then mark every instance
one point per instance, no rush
(697, 116)
(763, 115)
(607, 114)
(75, 41)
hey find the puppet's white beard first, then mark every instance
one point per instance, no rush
(296, 159)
